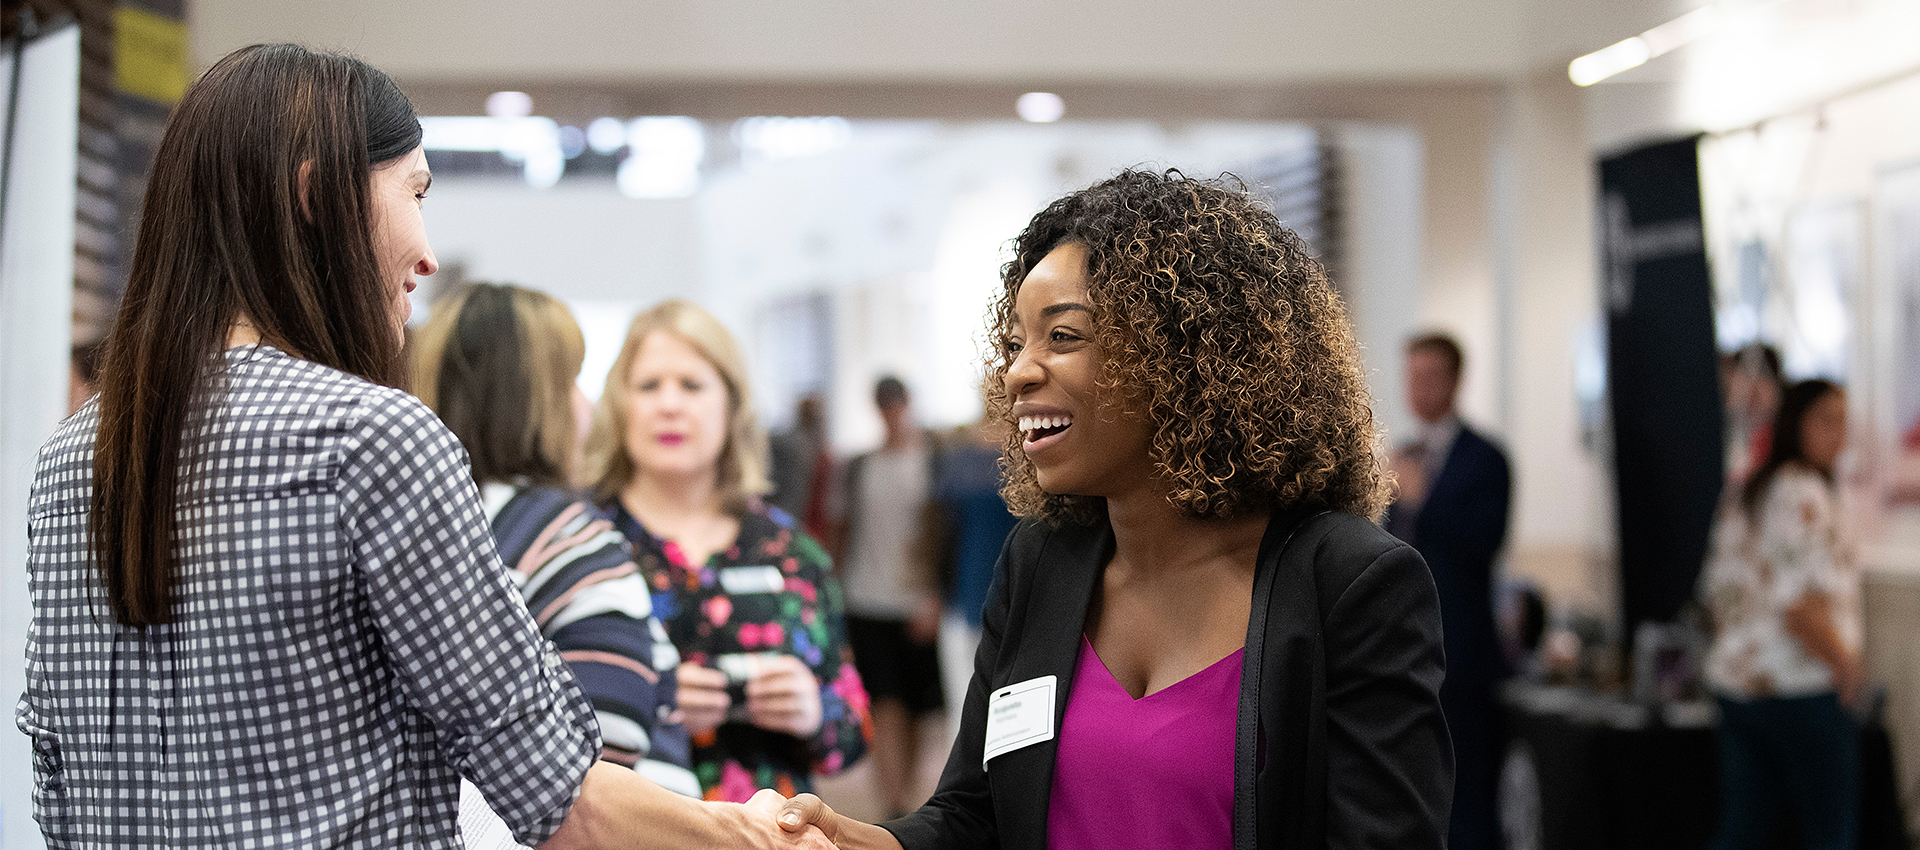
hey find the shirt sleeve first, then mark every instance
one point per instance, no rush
(462, 649)
(844, 717)
(1797, 537)
(605, 630)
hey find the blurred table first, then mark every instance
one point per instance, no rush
(1590, 772)
(1586, 771)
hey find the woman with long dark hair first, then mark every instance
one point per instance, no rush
(267, 609)
(1785, 593)
(1196, 638)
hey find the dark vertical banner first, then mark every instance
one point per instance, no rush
(1663, 378)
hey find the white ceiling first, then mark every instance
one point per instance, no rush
(1258, 42)
(1249, 59)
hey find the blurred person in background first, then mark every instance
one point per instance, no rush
(498, 364)
(767, 687)
(803, 465)
(1784, 588)
(1197, 637)
(267, 608)
(1454, 488)
(967, 524)
(893, 595)
(1752, 380)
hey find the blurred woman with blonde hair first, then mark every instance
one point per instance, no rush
(498, 364)
(767, 686)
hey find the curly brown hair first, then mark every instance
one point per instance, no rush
(1224, 326)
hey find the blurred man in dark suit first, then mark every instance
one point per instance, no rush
(1454, 490)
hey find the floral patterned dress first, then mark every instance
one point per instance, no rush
(771, 592)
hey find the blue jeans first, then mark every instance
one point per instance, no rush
(1797, 755)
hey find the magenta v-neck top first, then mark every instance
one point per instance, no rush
(1151, 772)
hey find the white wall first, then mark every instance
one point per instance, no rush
(1562, 521)
(36, 304)
(578, 241)
(1382, 178)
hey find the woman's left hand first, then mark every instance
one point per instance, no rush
(784, 696)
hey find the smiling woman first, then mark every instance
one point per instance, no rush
(400, 236)
(252, 522)
(246, 466)
(1195, 453)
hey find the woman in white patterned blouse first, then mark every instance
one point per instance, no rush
(1785, 592)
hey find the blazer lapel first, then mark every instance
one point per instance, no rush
(1056, 612)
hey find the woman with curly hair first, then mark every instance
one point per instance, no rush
(1196, 637)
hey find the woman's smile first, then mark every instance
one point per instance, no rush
(1040, 430)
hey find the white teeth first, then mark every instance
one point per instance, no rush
(1035, 423)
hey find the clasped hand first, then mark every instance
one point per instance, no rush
(782, 696)
(793, 829)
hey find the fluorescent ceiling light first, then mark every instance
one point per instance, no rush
(606, 135)
(663, 157)
(1607, 61)
(777, 137)
(534, 144)
(1672, 35)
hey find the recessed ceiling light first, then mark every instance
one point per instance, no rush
(509, 104)
(1040, 107)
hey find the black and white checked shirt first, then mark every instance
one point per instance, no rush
(346, 643)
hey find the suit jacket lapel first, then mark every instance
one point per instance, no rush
(1056, 613)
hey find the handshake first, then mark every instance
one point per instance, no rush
(803, 821)
(615, 808)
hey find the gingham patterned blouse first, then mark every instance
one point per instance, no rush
(346, 644)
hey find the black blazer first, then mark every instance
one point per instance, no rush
(1340, 741)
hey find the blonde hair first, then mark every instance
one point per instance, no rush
(498, 364)
(743, 458)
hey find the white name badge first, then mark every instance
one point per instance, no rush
(740, 580)
(1017, 716)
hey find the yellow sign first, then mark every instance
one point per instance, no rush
(150, 55)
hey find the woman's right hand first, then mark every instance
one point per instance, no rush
(703, 698)
(805, 810)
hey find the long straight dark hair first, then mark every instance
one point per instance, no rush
(1785, 447)
(228, 229)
